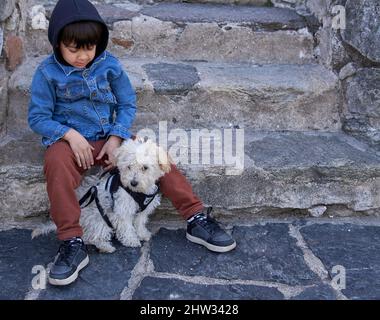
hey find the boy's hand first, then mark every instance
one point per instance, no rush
(112, 143)
(81, 148)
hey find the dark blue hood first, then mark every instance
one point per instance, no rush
(68, 11)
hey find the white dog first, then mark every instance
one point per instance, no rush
(124, 198)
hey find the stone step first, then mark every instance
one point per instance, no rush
(213, 95)
(210, 32)
(296, 170)
(234, 2)
(281, 172)
(258, 3)
(126, 4)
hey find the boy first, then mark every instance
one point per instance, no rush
(74, 94)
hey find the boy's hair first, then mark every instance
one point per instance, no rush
(81, 33)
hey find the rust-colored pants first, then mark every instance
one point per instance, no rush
(63, 176)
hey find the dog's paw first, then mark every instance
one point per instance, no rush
(105, 248)
(108, 250)
(144, 235)
(36, 233)
(133, 243)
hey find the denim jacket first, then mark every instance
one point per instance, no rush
(85, 99)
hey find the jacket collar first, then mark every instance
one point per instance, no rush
(70, 69)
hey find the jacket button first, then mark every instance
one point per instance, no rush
(103, 121)
(93, 94)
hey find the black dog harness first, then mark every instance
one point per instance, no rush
(112, 185)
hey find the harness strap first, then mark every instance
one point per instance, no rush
(143, 200)
(89, 194)
(92, 193)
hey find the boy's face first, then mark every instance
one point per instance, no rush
(78, 58)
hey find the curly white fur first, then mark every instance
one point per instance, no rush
(141, 163)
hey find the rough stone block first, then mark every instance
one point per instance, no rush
(6, 9)
(14, 52)
(363, 105)
(362, 30)
(354, 250)
(258, 256)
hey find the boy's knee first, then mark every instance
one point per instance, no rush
(59, 153)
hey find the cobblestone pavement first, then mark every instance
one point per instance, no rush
(313, 259)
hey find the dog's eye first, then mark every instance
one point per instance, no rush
(145, 168)
(129, 167)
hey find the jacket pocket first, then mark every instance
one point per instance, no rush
(70, 91)
(106, 94)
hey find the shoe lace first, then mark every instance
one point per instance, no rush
(208, 222)
(67, 251)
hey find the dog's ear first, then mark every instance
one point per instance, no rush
(164, 160)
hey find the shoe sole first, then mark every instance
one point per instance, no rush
(210, 246)
(72, 278)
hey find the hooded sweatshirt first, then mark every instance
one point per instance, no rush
(69, 11)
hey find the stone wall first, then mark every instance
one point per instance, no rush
(17, 17)
(362, 87)
(352, 53)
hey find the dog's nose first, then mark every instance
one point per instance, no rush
(134, 183)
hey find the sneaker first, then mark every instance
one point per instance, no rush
(71, 258)
(204, 230)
